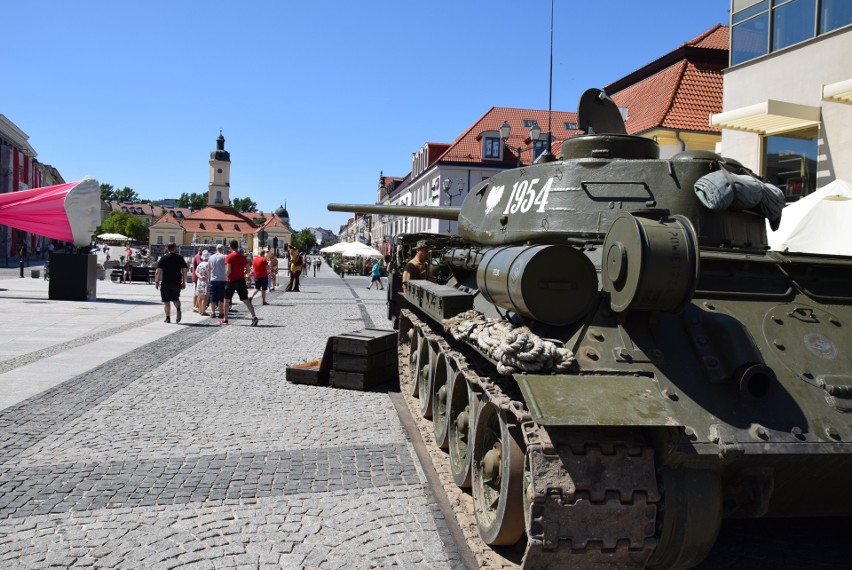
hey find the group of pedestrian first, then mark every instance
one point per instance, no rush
(218, 277)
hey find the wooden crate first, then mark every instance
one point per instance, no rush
(352, 363)
(363, 380)
(365, 342)
(316, 372)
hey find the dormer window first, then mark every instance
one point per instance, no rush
(492, 147)
(201, 226)
(236, 228)
(220, 228)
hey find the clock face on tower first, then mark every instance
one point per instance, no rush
(219, 170)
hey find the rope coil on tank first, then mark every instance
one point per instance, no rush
(515, 349)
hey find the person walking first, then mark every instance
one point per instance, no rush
(272, 261)
(196, 259)
(376, 276)
(260, 268)
(295, 269)
(202, 283)
(217, 280)
(170, 279)
(235, 271)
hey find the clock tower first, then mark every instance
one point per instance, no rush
(219, 188)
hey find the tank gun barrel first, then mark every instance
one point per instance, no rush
(434, 212)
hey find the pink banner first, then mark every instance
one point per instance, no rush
(40, 211)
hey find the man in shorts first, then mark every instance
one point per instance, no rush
(217, 280)
(235, 273)
(170, 279)
(260, 267)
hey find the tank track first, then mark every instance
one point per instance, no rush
(591, 494)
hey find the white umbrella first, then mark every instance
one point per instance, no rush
(113, 236)
(336, 248)
(357, 249)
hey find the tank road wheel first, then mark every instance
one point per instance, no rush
(691, 513)
(427, 380)
(498, 465)
(405, 350)
(419, 358)
(444, 372)
(462, 410)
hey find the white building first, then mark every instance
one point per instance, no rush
(787, 103)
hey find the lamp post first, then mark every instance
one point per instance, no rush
(448, 201)
(506, 130)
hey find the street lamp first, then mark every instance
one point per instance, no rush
(506, 130)
(451, 195)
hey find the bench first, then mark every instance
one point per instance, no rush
(137, 273)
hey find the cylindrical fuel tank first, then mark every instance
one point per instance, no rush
(554, 284)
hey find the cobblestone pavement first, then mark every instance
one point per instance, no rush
(193, 451)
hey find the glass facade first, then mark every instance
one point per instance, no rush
(761, 27)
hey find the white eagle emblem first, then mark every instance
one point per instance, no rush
(493, 199)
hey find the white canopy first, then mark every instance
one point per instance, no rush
(113, 237)
(352, 249)
(818, 223)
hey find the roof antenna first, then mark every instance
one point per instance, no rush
(547, 155)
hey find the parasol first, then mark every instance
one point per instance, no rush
(113, 237)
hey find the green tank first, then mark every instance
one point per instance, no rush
(614, 360)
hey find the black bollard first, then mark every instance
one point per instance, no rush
(22, 265)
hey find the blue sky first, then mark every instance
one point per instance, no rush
(314, 98)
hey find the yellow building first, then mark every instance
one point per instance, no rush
(219, 222)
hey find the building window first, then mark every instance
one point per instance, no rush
(785, 22)
(218, 196)
(834, 14)
(172, 238)
(750, 32)
(528, 123)
(159, 240)
(570, 126)
(492, 147)
(791, 162)
(792, 22)
(538, 148)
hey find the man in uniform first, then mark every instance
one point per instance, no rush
(418, 267)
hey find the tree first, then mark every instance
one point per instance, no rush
(244, 205)
(126, 224)
(106, 192)
(304, 240)
(126, 194)
(194, 201)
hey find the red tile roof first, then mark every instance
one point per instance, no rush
(468, 146)
(716, 37)
(681, 95)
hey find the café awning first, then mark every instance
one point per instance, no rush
(840, 92)
(768, 118)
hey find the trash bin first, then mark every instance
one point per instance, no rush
(101, 273)
(35, 273)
